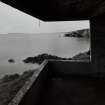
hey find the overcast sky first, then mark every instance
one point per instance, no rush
(15, 21)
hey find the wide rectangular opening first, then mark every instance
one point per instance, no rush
(63, 40)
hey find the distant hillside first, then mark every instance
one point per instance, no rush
(11, 84)
(78, 33)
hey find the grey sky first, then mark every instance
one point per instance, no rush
(15, 21)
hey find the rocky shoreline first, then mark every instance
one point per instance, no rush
(41, 57)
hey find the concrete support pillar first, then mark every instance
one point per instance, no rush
(98, 44)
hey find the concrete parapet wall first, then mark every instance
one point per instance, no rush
(70, 67)
(16, 100)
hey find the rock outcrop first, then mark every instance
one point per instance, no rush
(79, 33)
(41, 57)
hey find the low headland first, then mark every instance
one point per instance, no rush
(79, 33)
(41, 57)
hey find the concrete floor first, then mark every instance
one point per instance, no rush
(79, 91)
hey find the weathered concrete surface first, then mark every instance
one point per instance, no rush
(70, 67)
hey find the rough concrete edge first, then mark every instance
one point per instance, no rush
(16, 100)
(87, 61)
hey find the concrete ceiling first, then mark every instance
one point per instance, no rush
(60, 10)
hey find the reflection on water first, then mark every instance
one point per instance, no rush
(21, 46)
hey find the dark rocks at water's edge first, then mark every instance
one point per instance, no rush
(41, 57)
(11, 77)
(79, 33)
(11, 61)
(85, 56)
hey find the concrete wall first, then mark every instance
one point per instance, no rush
(22, 92)
(68, 68)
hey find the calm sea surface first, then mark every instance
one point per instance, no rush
(21, 46)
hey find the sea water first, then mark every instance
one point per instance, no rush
(21, 46)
